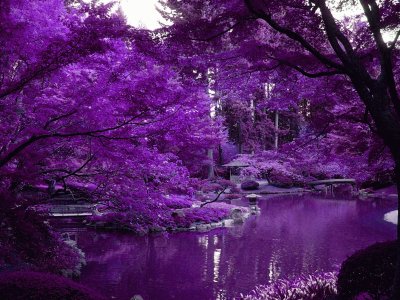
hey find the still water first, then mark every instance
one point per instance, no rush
(291, 235)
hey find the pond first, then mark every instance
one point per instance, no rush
(292, 235)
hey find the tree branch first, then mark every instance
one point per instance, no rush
(57, 118)
(230, 27)
(214, 200)
(304, 72)
(294, 36)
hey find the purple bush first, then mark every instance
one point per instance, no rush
(280, 180)
(176, 202)
(317, 286)
(206, 214)
(39, 286)
(232, 196)
(144, 217)
(217, 186)
(250, 185)
(370, 270)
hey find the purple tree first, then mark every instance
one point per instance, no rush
(83, 105)
(305, 36)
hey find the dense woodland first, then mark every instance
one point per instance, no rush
(140, 121)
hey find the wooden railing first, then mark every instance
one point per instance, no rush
(71, 210)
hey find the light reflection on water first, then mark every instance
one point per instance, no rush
(291, 235)
(217, 256)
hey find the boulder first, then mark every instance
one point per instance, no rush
(237, 215)
(178, 213)
(343, 189)
(250, 185)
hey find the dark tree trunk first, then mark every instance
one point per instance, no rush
(220, 155)
(396, 282)
(388, 125)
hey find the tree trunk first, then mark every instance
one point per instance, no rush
(396, 282)
(240, 146)
(220, 155)
(387, 121)
(276, 130)
(388, 126)
(210, 155)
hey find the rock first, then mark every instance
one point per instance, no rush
(216, 224)
(203, 227)
(181, 229)
(158, 229)
(237, 215)
(250, 185)
(228, 223)
(179, 213)
(343, 189)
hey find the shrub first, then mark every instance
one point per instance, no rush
(281, 180)
(218, 185)
(177, 202)
(319, 286)
(232, 196)
(142, 219)
(39, 286)
(370, 270)
(214, 212)
(250, 185)
(26, 240)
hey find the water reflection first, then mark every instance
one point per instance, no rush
(217, 256)
(291, 235)
(274, 269)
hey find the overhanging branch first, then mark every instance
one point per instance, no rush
(294, 36)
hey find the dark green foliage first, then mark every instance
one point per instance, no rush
(368, 270)
(39, 286)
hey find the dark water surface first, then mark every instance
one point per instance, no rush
(292, 235)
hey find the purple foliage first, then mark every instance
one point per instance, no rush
(86, 99)
(174, 213)
(232, 196)
(218, 185)
(327, 129)
(317, 286)
(175, 202)
(204, 215)
(249, 185)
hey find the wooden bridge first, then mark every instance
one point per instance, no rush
(71, 210)
(331, 182)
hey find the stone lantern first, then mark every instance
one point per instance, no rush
(253, 198)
